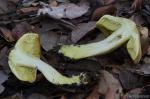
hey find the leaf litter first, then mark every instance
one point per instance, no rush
(60, 22)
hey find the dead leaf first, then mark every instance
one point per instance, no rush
(27, 3)
(148, 51)
(144, 40)
(48, 40)
(110, 94)
(107, 81)
(82, 30)
(20, 29)
(63, 97)
(3, 78)
(14, 1)
(94, 94)
(137, 4)
(7, 34)
(4, 6)
(27, 10)
(132, 94)
(53, 4)
(99, 12)
(138, 19)
(73, 11)
(16, 96)
(67, 10)
(129, 80)
(4, 59)
(107, 2)
(143, 69)
(37, 96)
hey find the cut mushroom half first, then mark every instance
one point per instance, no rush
(24, 61)
(120, 31)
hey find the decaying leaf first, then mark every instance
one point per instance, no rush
(138, 19)
(48, 40)
(137, 4)
(68, 10)
(81, 30)
(27, 10)
(108, 82)
(129, 80)
(37, 96)
(107, 2)
(132, 94)
(94, 94)
(7, 34)
(20, 29)
(144, 39)
(3, 78)
(99, 12)
(4, 59)
(143, 69)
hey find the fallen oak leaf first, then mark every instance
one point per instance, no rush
(3, 78)
(109, 85)
(81, 30)
(110, 94)
(107, 2)
(99, 12)
(28, 10)
(4, 59)
(94, 94)
(48, 40)
(144, 39)
(20, 29)
(68, 10)
(7, 34)
(137, 4)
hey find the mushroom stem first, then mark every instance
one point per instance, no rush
(99, 48)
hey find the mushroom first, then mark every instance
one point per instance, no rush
(120, 31)
(24, 61)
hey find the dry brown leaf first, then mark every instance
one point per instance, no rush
(82, 30)
(138, 19)
(94, 94)
(137, 4)
(4, 59)
(110, 94)
(37, 96)
(144, 40)
(132, 94)
(128, 79)
(48, 40)
(53, 4)
(68, 10)
(63, 97)
(99, 12)
(20, 29)
(148, 51)
(3, 78)
(107, 2)
(107, 82)
(27, 10)
(7, 34)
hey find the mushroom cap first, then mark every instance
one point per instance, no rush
(29, 44)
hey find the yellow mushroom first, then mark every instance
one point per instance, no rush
(24, 61)
(120, 31)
